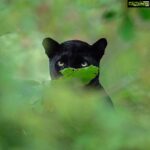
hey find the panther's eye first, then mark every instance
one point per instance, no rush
(60, 63)
(84, 64)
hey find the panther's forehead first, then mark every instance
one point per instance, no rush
(73, 54)
(75, 46)
(75, 42)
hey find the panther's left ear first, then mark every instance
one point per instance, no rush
(99, 47)
(51, 46)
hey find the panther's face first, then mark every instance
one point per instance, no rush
(72, 54)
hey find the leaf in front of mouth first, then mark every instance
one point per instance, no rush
(85, 75)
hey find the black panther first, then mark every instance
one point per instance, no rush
(75, 54)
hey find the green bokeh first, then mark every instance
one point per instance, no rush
(38, 116)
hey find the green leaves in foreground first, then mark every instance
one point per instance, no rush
(144, 14)
(84, 75)
(127, 29)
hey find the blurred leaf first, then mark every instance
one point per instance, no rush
(11, 134)
(127, 29)
(144, 13)
(109, 15)
(84, 74)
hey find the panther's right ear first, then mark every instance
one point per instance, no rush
(50, 46)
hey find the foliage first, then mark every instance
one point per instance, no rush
(37, 114)
(84, 75)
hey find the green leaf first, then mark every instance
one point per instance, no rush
(144, 14)
(109, 15)
(127, 29)
(84, 75)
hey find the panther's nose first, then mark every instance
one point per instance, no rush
(74, 62)
(74, 65)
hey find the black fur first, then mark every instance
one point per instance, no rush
(73, 53)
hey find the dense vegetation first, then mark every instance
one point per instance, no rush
(36, 114)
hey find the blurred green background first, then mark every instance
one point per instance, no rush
(125, 75)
